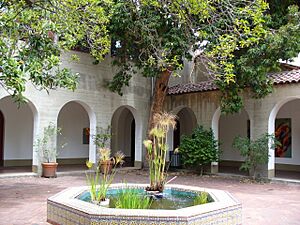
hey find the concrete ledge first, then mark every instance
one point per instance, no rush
(72, 161)
(17, 162)
(287, 167)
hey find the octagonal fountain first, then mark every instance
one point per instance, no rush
(69, 207)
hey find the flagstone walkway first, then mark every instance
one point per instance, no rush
(23, 199)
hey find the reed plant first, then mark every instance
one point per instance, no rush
(132, 199)
(100, 182)
(201, 198)
(157, 150)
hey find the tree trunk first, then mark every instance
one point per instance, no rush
(158, 98)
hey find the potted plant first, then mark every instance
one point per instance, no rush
(47, 149)
(100, 182)
(101, 140)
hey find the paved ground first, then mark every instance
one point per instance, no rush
(23, 200)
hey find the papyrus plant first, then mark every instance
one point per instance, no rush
(100, 182)
(157, 149)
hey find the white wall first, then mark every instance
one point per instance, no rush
(72, 119)
(18, 122)
(292, 110)
(231, 126)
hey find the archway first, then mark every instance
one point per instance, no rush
(123, 127)
(74, 121)
(231, 126)
(185, 124)
(17, 131)
(286, 127)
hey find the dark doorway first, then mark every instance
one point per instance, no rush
(176, 135)
(132, 144)
(1, 139)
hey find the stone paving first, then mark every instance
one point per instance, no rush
(23, 199)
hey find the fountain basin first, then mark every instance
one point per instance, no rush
(65, 208)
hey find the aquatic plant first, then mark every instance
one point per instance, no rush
(157, 150)
(99, 181)
(131, 199)
(201, 198)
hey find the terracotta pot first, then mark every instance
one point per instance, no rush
(49, 169)
(106, 167)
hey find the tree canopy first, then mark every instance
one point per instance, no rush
(240, 41)
(34, 33)
(252, 63)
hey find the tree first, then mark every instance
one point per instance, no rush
(154, 36)
(34, 33)
(252, 63)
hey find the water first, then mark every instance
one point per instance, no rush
(172, 199)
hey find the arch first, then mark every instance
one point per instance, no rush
(21, 126)
(226, 127)
(215, 123)
(186, 123)
(126, 127)
(78, 123)
(185, 114)
(285, 109)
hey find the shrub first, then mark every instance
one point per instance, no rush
(256, 152)
(199, 149)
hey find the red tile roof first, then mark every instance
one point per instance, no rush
(283, 77)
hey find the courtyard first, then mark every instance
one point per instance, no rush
(23, 199)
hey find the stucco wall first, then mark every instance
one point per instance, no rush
(261, 112)
(93, 95)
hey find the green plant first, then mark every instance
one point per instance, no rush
(102, 137)
(255, 152)
(199, 149)
(46, 145)
(132, 199)
(157, 150)
(201, 198)
(100, 182)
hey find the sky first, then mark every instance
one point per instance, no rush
(296, 61)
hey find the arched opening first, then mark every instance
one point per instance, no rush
(16, 135)
(287, 131)
(231, 126)
(74, 121)
(185, 124)
(123, 128)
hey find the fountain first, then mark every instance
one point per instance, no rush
(67, 208)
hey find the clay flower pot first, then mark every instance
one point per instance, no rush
(106, 166)
(49, 169)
